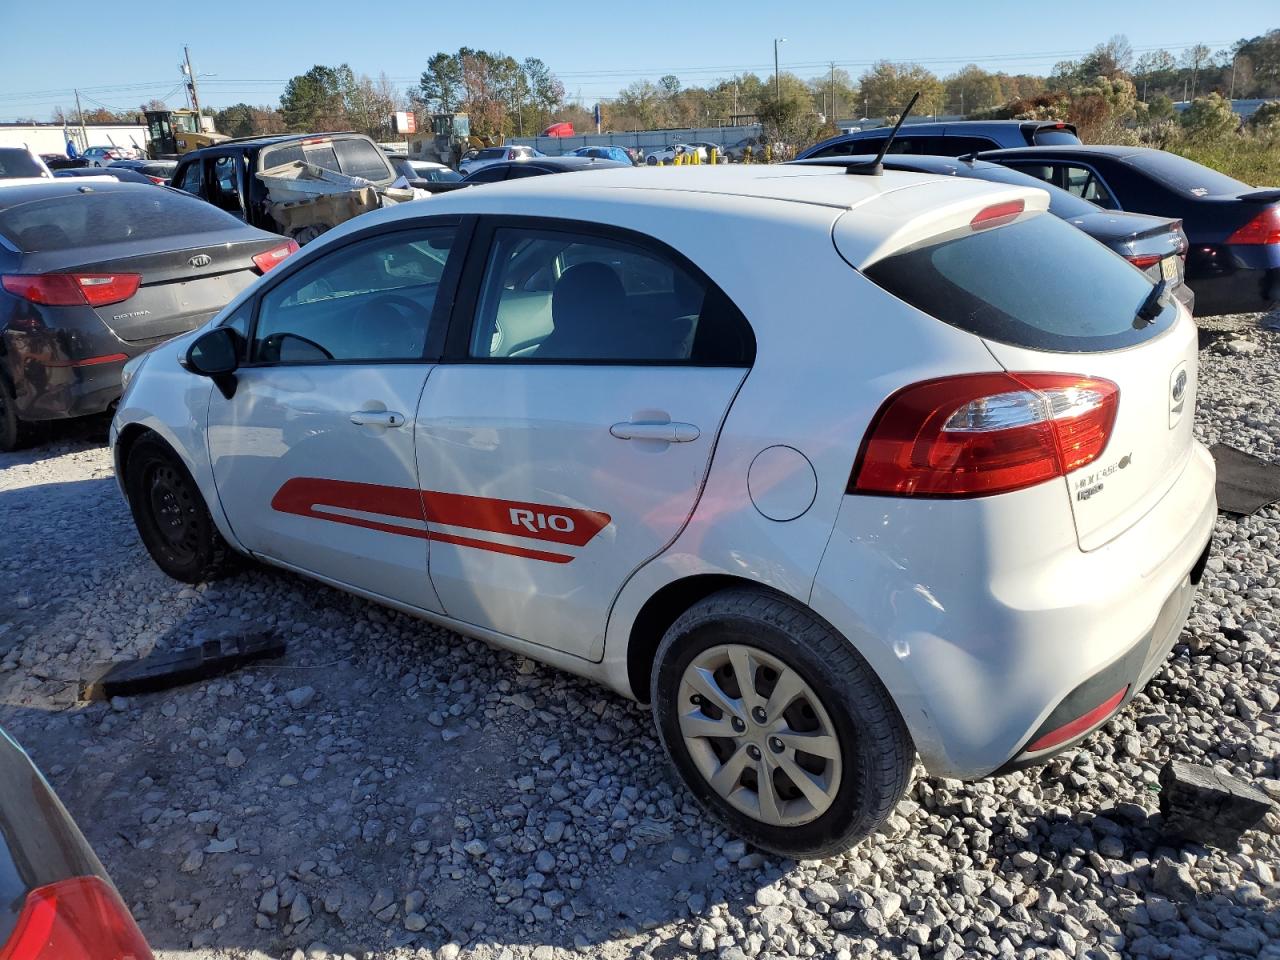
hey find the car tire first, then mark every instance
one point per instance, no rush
(172, 517)
(15, 433)
(842, 709)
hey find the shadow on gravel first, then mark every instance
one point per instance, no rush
(387, 784)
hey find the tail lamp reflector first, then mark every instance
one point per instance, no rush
(1081, 724)
(986, 433)
(82, 918)
(1142, 261)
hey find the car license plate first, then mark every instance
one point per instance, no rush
(1169, 269)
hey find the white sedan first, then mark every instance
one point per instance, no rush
(905, 468)
(669, 153)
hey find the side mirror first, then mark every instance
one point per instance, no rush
(216, 354)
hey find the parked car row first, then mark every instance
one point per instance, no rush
(1232, 259)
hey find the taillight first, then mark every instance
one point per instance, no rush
(1264, 228)
(73, 289)
(984, 433)
(156, 180)
(1145, 260)
(275, 256)
(998, 214)
(77, 919)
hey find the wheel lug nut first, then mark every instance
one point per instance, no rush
(776, 745)
(753, 752)
(759, 715)
(738, 725)
(696, 700)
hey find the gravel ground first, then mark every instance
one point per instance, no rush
(392, 790)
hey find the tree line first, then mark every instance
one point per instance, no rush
(508, 97)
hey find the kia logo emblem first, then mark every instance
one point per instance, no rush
(200, 260)
(1179, 386)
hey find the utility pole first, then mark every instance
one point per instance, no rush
(834, 113)
(777, 83)
(84, 137)
(1231, 94)
(191, 84)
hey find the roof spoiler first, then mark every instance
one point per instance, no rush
(1261, 196)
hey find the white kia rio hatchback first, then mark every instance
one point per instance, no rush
(879, 466)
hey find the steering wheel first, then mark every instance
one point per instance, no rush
(393, 340)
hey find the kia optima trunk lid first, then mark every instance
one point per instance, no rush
(180, 289)
(1047, 299)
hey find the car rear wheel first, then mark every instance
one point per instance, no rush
(171, 516)
(14, 433)
(777, 725)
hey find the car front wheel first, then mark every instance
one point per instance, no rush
(778, 725)
(171, 516)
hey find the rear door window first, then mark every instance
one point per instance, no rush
(560, 296)
(867, 146)
(1083, 182)
(1037, 283)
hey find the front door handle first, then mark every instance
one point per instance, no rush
(668, 432)
(377, 418)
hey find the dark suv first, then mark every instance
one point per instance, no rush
(950, 139)
(224, 174)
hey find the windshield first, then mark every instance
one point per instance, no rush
(1038, 283)
(1186, 176)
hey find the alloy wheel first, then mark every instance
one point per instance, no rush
(760, 736)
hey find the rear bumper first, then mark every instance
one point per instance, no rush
(1234, 279)
(984, 617)
(56, 392)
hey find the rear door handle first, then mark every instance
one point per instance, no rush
(377, 418)
(668, 432)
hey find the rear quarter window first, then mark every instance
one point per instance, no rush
(95, 219)
(1037, 283)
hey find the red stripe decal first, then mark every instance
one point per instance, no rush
(566, 525)
(539, 521)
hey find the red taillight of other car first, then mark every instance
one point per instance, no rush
(979, 434)
(78, 919)
(73, 289)
(1262, 229)
(275, 256)
(1142, 261)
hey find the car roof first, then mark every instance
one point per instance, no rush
(62, 187)
(569, 162)
(258, 142)
(1083, 150)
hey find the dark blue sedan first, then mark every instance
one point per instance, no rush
(1233, 263)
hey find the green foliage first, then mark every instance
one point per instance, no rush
(1209, 118)
(887, 87)
(1265, 121)
(1252, 160)
(971, 89)
(789, 120)
(1159, 109)
(313, 100)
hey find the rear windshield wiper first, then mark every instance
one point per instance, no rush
(1153, 306)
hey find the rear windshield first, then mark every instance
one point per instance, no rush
(18, 163)
(1053, 137)
(1186, 176)
(94, 219)
(354, 157)
(1038, 283)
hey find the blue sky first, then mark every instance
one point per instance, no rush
(121, 57)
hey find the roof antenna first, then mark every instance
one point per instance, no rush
(875, 168)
